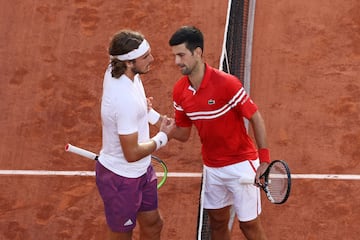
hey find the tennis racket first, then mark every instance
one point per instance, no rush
(158, 164)
(275, 182)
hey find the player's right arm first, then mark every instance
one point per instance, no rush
(183, 124)
(181, 134)
(134, 151)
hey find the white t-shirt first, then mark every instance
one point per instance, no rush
(123, 111)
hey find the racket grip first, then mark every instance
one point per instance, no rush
(247, 180)
(80, 151)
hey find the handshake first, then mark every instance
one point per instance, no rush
(167, 125)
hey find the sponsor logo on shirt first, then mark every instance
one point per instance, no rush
(211, 101)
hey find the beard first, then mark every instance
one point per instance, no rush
(185, 70)
(137, 70)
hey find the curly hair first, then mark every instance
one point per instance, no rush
(122, 43)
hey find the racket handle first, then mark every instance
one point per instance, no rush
(80, 151)
(247, 180)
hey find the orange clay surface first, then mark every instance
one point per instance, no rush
(304, 78)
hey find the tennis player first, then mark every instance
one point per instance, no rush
(216, 103)
(125, 178)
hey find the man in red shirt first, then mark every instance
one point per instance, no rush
(216, 103)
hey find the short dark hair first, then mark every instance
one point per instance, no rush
(190, 35)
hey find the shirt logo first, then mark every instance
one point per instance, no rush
(211, 101)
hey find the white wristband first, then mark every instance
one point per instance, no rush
(160, 139)
(153, 116)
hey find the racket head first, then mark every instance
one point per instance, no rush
(277, 182)
(160, 169)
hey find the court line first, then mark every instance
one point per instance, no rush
(171, 174)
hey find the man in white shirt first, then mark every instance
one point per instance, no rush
(125, 178)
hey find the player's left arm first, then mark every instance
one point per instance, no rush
(258, 126)
(259, 129)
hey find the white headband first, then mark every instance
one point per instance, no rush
(141, 50)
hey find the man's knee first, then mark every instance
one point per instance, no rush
(153, 227)
(252, 229)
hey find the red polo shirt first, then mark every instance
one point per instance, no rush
(217, 109)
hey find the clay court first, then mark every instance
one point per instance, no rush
(304, 78)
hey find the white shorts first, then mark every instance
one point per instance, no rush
(223, 188)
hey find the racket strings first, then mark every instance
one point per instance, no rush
(278, 182)
(160, 169)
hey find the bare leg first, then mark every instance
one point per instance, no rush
(219, 219)
(253, 230)
(119, 235)
(150, 225)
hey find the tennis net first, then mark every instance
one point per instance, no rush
(235, 59)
